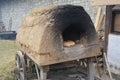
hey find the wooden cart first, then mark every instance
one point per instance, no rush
(41, 39)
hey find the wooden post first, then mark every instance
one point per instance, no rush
(43, 72)
(91, 70)
(99, 13)
(108, 67)
(38, 75)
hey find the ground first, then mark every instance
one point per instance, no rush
(7, 59)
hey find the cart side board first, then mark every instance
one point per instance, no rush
(108, 25)
(47, 59)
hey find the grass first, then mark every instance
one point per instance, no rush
(7, 59)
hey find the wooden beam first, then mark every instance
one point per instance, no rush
(91, 69)
(75, 54)
(108, 25)
(105, 2)
(108, 66)
(99, 13)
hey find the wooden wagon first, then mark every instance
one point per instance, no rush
(54, 35)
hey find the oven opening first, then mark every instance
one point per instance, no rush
(73, 34)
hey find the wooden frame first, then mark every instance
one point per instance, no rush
(105, 2)
(108, 25)
(116, 25)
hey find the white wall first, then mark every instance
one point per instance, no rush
(114, 52)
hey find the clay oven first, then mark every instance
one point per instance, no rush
(55, 31)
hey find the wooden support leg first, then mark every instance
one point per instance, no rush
(91, 69)
(43, 72)
(37, 71)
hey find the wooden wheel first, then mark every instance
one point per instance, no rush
(20, 69)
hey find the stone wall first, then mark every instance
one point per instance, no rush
(0, 16)
(12, 12)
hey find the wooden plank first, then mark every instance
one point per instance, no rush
(105, 2)
(108, 66)
(42, 60)
(38, 75)
(99, 13)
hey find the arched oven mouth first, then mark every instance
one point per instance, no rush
(74, 34)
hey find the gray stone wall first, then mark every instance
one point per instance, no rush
(0, 14)
(12, 12)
